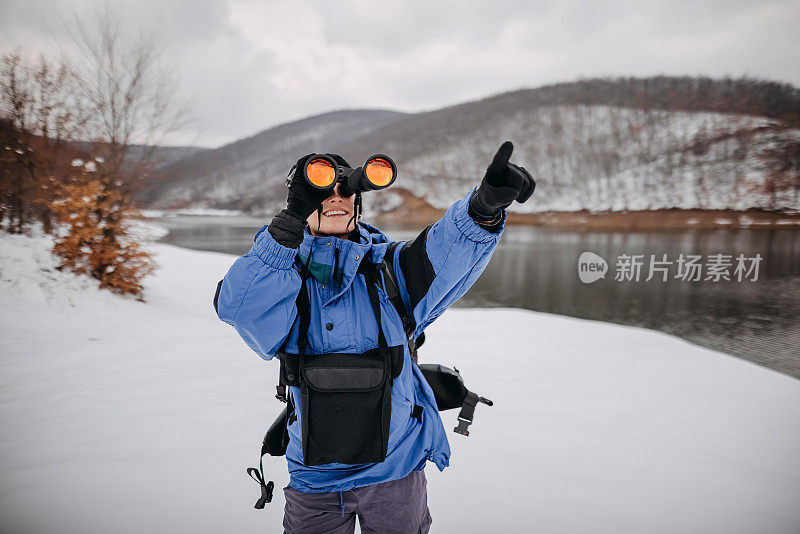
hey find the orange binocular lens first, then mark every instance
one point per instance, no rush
(379, 172)
(321, 173)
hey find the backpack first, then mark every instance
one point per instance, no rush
(447, 385)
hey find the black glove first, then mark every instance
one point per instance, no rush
(502, 184)
(287, 227)
(303, 199)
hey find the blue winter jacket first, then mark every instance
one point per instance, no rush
(257, 297)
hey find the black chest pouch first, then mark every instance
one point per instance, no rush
(345, 406)
(345, 399)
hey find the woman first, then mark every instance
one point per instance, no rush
(365, 420)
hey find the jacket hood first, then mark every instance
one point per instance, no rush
(337, 260)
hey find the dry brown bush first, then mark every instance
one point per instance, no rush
(96, 241)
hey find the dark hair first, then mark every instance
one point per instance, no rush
(338, 159)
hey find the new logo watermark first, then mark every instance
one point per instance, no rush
(591, 267)
(686, 267)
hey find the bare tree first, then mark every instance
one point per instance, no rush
(131, 94)
(129, 97)
(66, 132)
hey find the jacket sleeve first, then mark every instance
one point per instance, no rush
(257, 295)
(438, 266)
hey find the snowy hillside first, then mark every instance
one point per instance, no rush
(608, 158)
(244, 173)
(122, 416)
(618, 145)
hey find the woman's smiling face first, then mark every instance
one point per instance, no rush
(337, 212)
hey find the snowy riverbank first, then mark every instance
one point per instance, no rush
(121, 416)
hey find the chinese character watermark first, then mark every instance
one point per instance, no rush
(662, 268)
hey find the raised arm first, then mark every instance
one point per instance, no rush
(257, 295)
(438, 266)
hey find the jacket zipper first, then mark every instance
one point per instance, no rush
(336, 268)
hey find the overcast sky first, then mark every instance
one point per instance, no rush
(247, 65)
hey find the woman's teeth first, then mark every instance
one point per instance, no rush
(331, 213)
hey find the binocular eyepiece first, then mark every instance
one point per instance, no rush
(322, 172)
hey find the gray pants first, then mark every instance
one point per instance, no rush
(394, 507)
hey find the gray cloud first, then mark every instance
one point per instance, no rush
(251, 64)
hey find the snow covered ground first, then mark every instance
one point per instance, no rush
(198, 211)
(121, 416)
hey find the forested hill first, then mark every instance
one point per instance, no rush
(599, 144)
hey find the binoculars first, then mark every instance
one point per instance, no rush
(322, 172)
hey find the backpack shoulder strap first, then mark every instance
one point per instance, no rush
(391, 288)
(390, 281)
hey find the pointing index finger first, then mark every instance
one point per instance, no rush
(501, 158)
